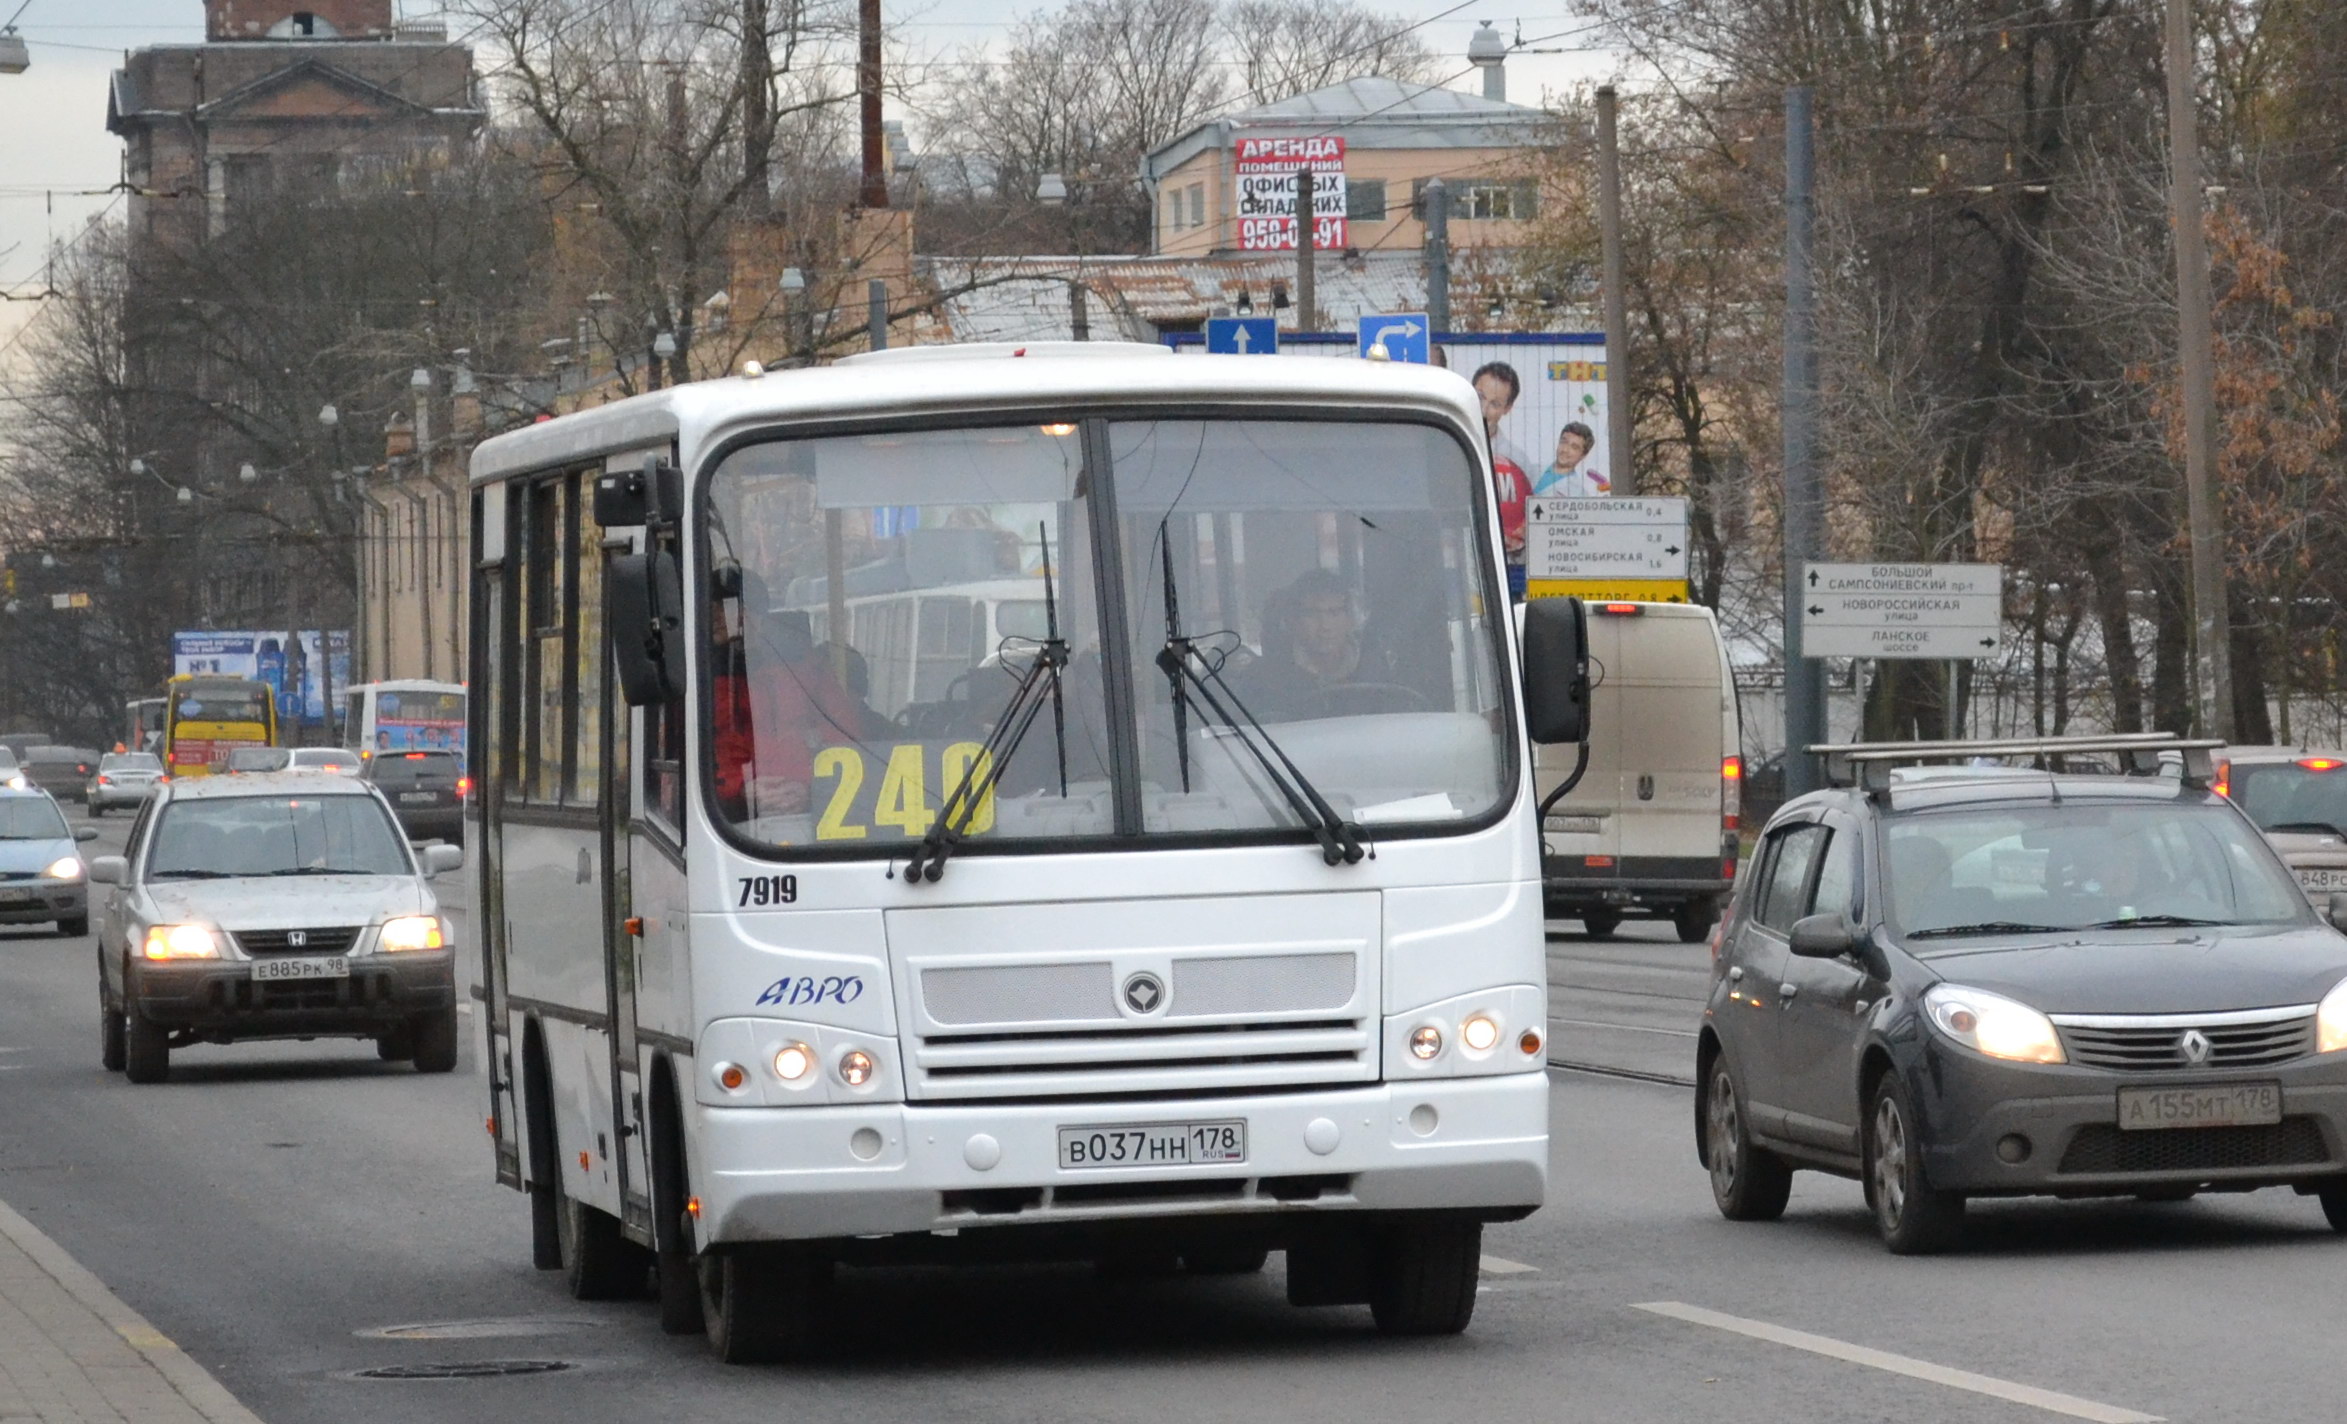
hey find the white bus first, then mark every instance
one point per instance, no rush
(1191, 916)
(404, 715)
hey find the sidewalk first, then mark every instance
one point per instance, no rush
(71, 1353)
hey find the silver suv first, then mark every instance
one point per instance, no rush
(285, 906)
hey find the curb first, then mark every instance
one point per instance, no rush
(191, 1381)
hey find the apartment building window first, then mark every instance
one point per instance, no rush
(1197, 205)
(1484, 199)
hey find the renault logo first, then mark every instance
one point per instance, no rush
(1144, 992)
(297, 939)
(2195, 1047)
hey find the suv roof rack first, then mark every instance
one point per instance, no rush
(1868, 764)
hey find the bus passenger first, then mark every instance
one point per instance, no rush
(777, 703)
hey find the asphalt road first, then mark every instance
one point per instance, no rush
(281, 1210)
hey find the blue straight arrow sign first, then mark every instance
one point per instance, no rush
(1242, 335)
(1406, 336)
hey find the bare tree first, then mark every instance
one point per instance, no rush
(1289, 47)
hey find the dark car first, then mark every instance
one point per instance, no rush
(426, 791)
(63, 772)
(1980, 981)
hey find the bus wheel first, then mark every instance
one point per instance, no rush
(762, 1304)
(1694, 921)
(1602, 924)
(1423, 1279)
(598, 1261)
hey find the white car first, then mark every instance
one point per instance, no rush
(278, 906)
(123, 779)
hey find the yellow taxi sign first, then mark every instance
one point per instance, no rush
(1611, 590)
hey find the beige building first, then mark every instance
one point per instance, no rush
(1215, 185)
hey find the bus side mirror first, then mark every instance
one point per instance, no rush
(644, 606)
(1556, 671)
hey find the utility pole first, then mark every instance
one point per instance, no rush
(1438, 258)
(1617, 302)
(1079, 314)
(1307, 250)
(876, 312)
(875, 190)
(757, 75)
(2204, 516)
(1804, 512)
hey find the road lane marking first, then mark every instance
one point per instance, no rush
(2051, 1401)
(1502, 1266)
(1628, 1028)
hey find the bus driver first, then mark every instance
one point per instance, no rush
(777, 703)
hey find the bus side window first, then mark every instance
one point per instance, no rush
(588, 654)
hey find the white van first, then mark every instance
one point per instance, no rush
(1650, 831)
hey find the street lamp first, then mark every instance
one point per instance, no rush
(246, 474)
(186, 495)
(328, 416)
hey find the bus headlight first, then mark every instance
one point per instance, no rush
(855, 1068)
(181, 942)
(793, 1062)
(1425, 1042)
(412, 932)
(1480, 1032)
(64, 868)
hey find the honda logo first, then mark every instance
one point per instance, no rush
(1144, 993)
(2195, 1047)
(297, 939)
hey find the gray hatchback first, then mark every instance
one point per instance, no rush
(2004, 981)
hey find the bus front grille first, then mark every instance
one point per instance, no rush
(1131, 1062)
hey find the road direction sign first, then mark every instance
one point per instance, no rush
(1242, 335)
(1407, 336)
(1611, 590)
(1902, 610)
(1606, 538)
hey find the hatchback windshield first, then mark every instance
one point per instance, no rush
(408, 769)
(1289, 597)
(213, 837)
(31, 818)
(130, 761)
(2070, 867)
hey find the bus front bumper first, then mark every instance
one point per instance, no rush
(1473, 1146)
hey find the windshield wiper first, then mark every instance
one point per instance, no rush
(2316, 828)
(1180, 660)
(985, 769)
(192, 875)
(323, 870)
(1989, 927)
(2154, 922)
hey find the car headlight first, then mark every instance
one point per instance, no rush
(181, 942)
(1995, 1025)
(412, 932)
(66, 867)
(2330, 1020)
(16, 783)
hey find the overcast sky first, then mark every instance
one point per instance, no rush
(56, 156)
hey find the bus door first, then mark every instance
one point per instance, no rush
(622, 931)
(493, 750)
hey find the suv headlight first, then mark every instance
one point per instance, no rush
(1994, 1025)
(2330, 1020)
(181, 942)
(412, 932)
(64, 868)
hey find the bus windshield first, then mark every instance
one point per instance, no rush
(1300, 617)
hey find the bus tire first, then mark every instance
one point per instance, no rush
(1694, 921)
(675, 1279)
(146, 1056)
(1423, 1280)
(760, 1305)
(543, 1172)
(433, 1039)
(598, 1261)
(1601, 925)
